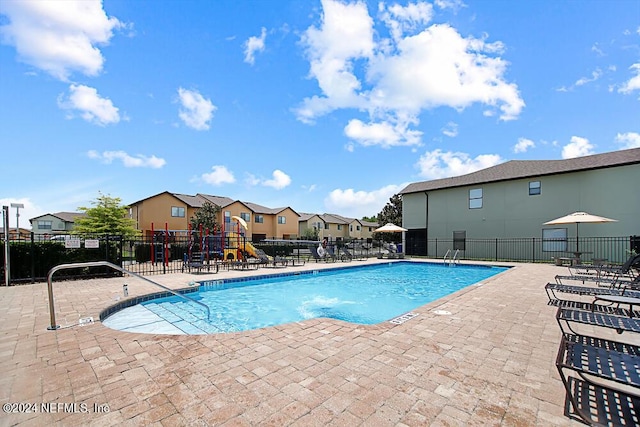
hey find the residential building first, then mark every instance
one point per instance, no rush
(514, 199)
(48, 225)
(174, 211)
(333, 226)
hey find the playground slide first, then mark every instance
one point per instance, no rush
(247, 246)
(251, 250)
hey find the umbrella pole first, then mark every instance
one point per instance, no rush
(577, 236)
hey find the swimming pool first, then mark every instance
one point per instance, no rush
(363, 295)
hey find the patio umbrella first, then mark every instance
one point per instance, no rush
(578, 217)
(390, 228)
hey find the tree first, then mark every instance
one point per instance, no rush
(392, 212)
(310, 233)
(107, 216)
(372, 218)
(206, 216)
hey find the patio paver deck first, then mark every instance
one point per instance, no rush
(489, 362)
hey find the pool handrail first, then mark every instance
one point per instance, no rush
(52, 313)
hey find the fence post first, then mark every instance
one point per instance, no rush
(496, 249)
(33, 258)
(533, 249)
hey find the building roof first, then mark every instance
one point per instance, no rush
(220, 201)
(517, 169)
(65, 216)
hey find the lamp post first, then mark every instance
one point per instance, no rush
(18, 206)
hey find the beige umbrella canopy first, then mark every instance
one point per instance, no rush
(578, 217)
(390, 228)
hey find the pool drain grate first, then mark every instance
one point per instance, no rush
(401, 319)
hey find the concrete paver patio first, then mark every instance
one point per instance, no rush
(489, 362)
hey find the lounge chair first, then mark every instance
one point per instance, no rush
(606, 281)
(267, 261)
(346, 253)
(317, 257)
(569, 317)
(592, 370)
(627, 268)
(603, 273)
(553, 288)
(198, 262)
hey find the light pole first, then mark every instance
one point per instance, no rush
(18, 206)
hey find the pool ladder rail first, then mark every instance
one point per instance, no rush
(453, 260)
(52, 311)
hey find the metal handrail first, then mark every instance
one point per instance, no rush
(445, 256)
(455, 255)
(52, 313)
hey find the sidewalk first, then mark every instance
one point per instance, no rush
(482, 356)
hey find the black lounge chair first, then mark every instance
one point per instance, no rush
(316, 256)
(632, 262)
(608, 275)
(274, 262)
(553, 288)
(599, 376)
(568, 317)
(199, 262)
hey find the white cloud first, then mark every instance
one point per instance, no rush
(523, 145)
(357, 204)
(253, 45)
(385, 133)
(450, 130)
(438, 164)
(278, 181)
(405, 19)
(219, 175)
(634, 82)
(91, 106)
(196, 111)
(420, 67)
(578, 147)
(59, 37)
(628, 140)
(137, 161)
(595, 75)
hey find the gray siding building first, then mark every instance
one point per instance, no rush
(515, 198)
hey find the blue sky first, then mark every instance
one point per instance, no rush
(324, 106)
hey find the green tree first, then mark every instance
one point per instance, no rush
(392, 212)
(107, 216)
(206, 216)
(310, 233)
(372, 218)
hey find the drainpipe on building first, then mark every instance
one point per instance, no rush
(426, 224)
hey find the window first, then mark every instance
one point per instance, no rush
(554, 240)
(357, 228)
(259, 219)
(351, 228)
(282, 219)
(245, 216)
(459, 240)
(177, 212)
(339, 226)
(475, 198)
(45, 225)
(227, 217)
(534, 188)
(326, 225)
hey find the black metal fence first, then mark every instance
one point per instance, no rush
(533, 249)
(31, 260)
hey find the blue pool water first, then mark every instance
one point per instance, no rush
(364, 295)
